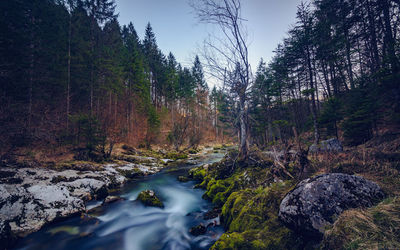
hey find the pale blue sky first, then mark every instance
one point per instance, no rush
(177, 30)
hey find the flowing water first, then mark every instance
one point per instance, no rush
(130, 225)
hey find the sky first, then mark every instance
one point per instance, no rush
(178, 31)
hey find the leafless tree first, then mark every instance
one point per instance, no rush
(228, 53)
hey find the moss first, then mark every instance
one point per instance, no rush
(258, 209)
(251, 219)
(193, 151)
(198, 173)
(219, 190)
(217, 147)
(149, 198)
(231, 241)
(234, 204)
(152, 153)
(78, 165)
(134, 159)
(250, 204)
(176, 156)
(130, 173)
(183, 178)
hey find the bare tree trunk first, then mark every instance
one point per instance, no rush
(243, 147)
(328, 87)
(232, 51)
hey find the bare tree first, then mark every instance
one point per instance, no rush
(228, 52)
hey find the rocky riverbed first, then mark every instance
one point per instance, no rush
(32, 197)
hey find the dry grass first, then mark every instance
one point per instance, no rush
(377, 160)
(374, 228)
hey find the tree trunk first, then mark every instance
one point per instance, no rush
(389, 36)
(348, 57)
(313, 104)
(372, 31)
(69, 71)
(31, 71)
(243, 145)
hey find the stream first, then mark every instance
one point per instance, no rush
(128, 224)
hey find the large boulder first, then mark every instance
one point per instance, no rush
(331, 145)
(315, 203)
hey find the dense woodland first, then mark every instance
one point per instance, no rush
(86, 106)
(336, 74)
(71, 75)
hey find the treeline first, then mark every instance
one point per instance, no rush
(336, 74)
(70, 74)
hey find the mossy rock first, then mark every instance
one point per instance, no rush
(193, 151)
(232, 241)
(151, 153)
(250, 199)
(251, 219)
(176, 156)
(136, 159)
(149, 198)
(198, 230)
(129, 150)
(197, 174)
(235, 202)
(79, 166)
(131, 173)
(61, 178)
(183, 178)
(219, 190)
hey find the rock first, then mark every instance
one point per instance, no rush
(112, 199)
(87, 188)
(213, 213)
(137, 159)
(331, 145)
(315, 203)
(198, 230)
(183, 178)
(33, 197)
(28, 209)
(166, 161)
(149, 198)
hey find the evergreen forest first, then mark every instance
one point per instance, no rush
(106, 139)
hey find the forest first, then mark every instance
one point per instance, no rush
(85, 99)
(71, 75)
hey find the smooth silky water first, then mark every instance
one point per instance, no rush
(130, 225)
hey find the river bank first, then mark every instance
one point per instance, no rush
(281, 199)
(31, 197)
